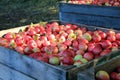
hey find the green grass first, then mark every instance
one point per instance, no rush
(14, 13)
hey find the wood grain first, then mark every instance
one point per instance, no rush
(7, 73)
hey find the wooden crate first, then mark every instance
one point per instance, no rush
(109, 65)
(38, 69)
(31, 67)
(7, 73)
(103, 16)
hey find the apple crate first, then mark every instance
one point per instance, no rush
(103, 16)
(109, 65)
(12, 63)
(39, 70)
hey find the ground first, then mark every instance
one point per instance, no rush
(14, 13)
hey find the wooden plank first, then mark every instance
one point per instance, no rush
(111, 11)
(110, 65)
(31, 67)
(11, 30)
(101, 21)
(89, 72)
(7, 73)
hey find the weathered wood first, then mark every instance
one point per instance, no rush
(38, 69)
(7, 73)
(31, 67)
(104, 16)
(110, 65)
(111, 11)
(112, 61)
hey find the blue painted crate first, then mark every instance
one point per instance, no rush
(103, 16)
(109, 66)
(40, 70)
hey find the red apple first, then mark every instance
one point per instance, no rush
(62, 47)
(78, 32)
(81, 52)
(102, 75)
(111, 38)
(8, 35)
(114, 75)
(110, 32)
(105, 52)
(91, 46)
(117, 36)
(83, 46)
(89, 56)
(96, 38)
(68, 42)
(97, 49)
(106, 44)
(75, 44)
(67, 60)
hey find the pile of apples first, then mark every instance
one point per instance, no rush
(97, 2)
(104, 75)
(60, 44)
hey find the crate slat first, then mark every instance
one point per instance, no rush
(103, 16)
(7, 73)
(31, 67)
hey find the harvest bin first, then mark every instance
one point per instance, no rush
(109, 66)
(103, 16)
(112, 61)
(38, 70)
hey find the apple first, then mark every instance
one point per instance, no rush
(83, 60)
(8, 35)
(87, 36)
(83, 29)
(81, 52)
(20, 49)
(67, 60)
(62, 39)
(68, 42)
(105, 52)
(106, 44)
(62, 47)
(74, 27)
(31, 32)
(110, 32)
(96, 37)
(102, 34)
(78, 32)
(82, 40)
(114, 75)
(111, 38)
(83, 46)
(89, 56)
(77, 63)
(117, 36)
(54, 60)
(91, 46)
(102, 75)
(71, 36)
(97, 49)
(78, 57)
(75, 44)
